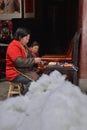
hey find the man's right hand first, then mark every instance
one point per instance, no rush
(37, 60)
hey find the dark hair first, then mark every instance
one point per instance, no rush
(20, 33)
(35, 43)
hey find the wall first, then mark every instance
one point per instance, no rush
(83, 59)
(82, 22)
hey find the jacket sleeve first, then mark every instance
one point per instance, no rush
(20, 62)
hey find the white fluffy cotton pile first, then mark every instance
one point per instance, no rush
(52, 103)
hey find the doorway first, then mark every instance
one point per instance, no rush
(60, 22)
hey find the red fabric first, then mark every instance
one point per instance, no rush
(14, 50)
(35, 54)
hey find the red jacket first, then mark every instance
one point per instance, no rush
(14, 51)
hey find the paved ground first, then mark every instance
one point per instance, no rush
(4, 87)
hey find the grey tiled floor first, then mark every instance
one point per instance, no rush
(4, 87)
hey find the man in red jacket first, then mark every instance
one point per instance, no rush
(17, 58)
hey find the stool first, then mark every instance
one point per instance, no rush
(15, 89)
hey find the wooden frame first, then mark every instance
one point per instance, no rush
(8, 13)
(26, 9)
(29, 8)
(69, 63)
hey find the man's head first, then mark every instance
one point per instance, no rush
(35, 47)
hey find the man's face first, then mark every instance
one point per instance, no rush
(25, 40)
(35, 49)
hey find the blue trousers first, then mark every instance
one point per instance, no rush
(23, 80)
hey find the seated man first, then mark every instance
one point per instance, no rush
(19, 65)
(34, 49)
(34, 52)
